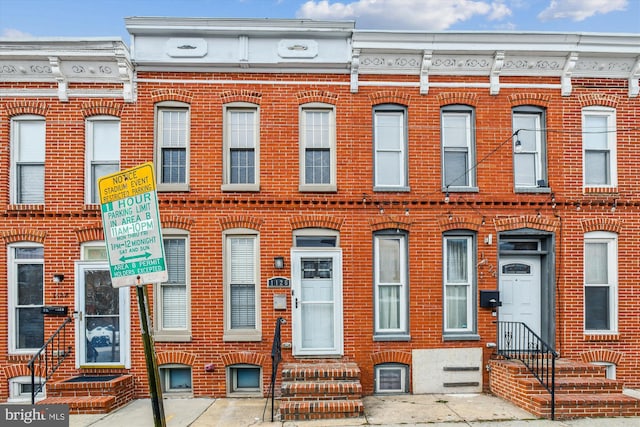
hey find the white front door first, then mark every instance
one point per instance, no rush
(316, 299)
(102, 333)
(520, 291)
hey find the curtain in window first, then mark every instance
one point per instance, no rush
(596, 263)
(457, 284)
(242, 289)
(174, 291)
(389, 287)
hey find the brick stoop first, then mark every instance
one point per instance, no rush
(313, 391)
(90, 397)
(581, 390)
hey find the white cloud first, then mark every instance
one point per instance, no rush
(426, 15)
(579, 10)
(12, 33)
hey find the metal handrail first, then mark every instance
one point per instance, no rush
(49, 358)
(276, 357)
(517, 341)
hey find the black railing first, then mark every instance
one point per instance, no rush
(517, 341)
(48, 359)
(276, 357)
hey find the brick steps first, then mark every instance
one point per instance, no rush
(581, 390)
(83, 404)
(325, 390)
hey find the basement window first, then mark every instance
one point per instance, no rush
(610, 369)
(176, 379)
(20, 389)
(244, 380)
(391, 378)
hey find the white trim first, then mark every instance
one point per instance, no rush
(15, 389)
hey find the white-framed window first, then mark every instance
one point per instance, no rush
(244, 380)
(176, 378)
(458, 148)
(390, 148)
(173, 122)
(20, 389)
(391, 378)
(26, 297)
(600, 282)
(172, 298)
(391, 285)
(599, 146)
(459, 284)
(317, 148)
(609, 369)
(242, 320)
(27, 159)
(241, 155)
(102, 152)
(529, 154)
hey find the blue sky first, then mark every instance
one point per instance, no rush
(98, 18)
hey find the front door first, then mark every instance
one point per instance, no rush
(316, 298)
(520, 292)
(103, 317)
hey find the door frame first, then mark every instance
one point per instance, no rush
(546, 252)
(124, 305)
(297, 255)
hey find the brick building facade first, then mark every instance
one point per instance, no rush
(396, 175)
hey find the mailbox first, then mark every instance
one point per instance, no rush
(490, 299)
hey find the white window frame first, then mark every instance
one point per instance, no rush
(232, 385)
(160, 144)
(538, 133)
(228, 111)
(402, 331)
(468, 113)
(161, 332)
(165, 379)
(241, 334)
(404, 370)
(16, 394)
(402, 178)
(306, 144)
(16, 124)
(470, 285)
(611, 240)
(92, 195)
(610, 115)
(13, 294)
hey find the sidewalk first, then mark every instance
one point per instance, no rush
(432, 410)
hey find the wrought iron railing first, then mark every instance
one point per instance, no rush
(276, 357)
(517, 341)
(48, 359)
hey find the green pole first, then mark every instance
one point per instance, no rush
(152, 365)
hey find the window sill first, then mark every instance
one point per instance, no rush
(461, 337)
(25, 207)
(402, 189)
(392, 337)
(306, 188)
(240, 187)
(533, 190)
(166, 188)
(161, 336)
(600, 190)
(461, 189)
(242, 336)
(612, 336)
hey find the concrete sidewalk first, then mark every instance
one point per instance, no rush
(432, 410)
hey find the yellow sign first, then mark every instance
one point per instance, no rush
(129, 183)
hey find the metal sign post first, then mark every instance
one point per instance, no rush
(132, 232)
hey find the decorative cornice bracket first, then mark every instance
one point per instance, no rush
(63, 85)
(427, 56)
(634, 79)
(125, 71)
(496, 68)
(569, 65)
(355, 65)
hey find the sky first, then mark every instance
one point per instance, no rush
(105, 18)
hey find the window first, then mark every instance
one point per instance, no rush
(241, 148)
(600, 282)
(173, 296)
(391, 378)
(103, 153)
(529, 157)
(459, 284)
(27, 159)
(390, 144)
(317, 148)
(391, 285)
(599, 146)
(245, 379)
(609, 368)
(458, 145)
(175, 378)
(242, 299)
(172, 146)
(26, 298)
(20, 389)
